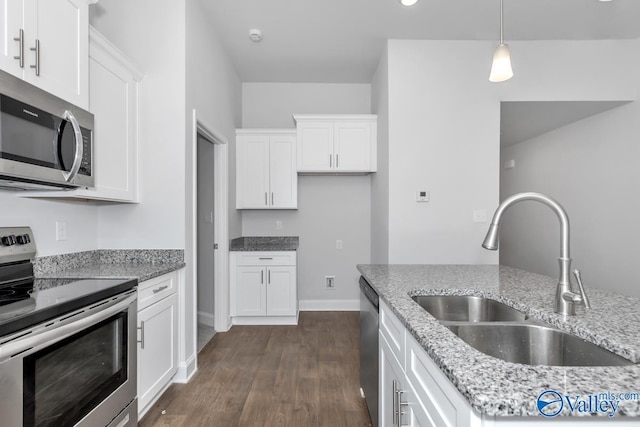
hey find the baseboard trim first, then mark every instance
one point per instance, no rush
(265, 320)
(186, 371)
(206, 318)
(330, 305)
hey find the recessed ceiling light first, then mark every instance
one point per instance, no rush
(408, 2)
(255, 35)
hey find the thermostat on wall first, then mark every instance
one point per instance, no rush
(422, 196)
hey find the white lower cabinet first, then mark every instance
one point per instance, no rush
(264, 288)
(157, 337)
(413, 391)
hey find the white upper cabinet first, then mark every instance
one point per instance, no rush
(114, 102)
(266, 169)
(46, 43)
(337, 143)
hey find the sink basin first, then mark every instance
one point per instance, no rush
(455, 308)
(534, 345)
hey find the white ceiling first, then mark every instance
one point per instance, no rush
(340, 41)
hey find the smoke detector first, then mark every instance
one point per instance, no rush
(255, 35)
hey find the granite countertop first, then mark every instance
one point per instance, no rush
(495, 387)
(140, 264)
(283, 243)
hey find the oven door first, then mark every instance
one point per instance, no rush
(79, 369)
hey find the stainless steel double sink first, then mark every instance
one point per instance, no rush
(503, 332)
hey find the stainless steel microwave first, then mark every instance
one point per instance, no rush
(45, 142)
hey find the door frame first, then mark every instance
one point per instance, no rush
(221, 233)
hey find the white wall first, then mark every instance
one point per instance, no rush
(443, 138)
(330, 208)
(444, 130)
(380, 180)
(41, 215)
(152, 34)
(591, 168)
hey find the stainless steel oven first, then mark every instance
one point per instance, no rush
(67, 346)
(77, 369)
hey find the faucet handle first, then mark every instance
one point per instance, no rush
(583, 295)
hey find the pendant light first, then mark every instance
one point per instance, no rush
(501, 67)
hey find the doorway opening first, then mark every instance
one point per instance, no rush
(206, 243)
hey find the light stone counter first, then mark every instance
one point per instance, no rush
(495, 387)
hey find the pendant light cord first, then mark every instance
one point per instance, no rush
(501, 22)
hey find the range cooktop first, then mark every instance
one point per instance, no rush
(26, 301)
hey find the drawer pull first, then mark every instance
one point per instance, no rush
(160, 289)
(265, 258)
(141, 328)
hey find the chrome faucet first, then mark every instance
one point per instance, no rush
(566, 299)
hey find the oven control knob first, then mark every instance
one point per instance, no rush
(8, 240)
(23, 239)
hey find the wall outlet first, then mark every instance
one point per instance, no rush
(330, 282)
(278, 225)
(61, 230)
(338, 244)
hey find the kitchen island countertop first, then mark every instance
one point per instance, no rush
(495, 387)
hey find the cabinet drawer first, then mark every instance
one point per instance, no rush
(266, 258)
(394, 332)
(153, 290)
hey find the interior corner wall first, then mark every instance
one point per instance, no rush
(152, 34)
(330, 208)
(591, 168)
(444, 124)
(380, 179)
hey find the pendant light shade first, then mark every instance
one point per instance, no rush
(501, 67)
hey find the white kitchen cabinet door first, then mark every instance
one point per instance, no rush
(113, 99)
(250, 291)
(11, 18)
(281, 291)
(315, 146)
(391, 380)
(352, 146)
(336, 144)
(283, 179)
(61, 27)
(157, 348)
(253, 172)
(266, 176)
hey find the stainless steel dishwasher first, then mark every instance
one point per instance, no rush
(369, 348)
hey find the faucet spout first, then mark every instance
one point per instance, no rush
(565, 298)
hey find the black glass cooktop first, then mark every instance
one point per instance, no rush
(39, 300)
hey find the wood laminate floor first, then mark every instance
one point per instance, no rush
(305, 375)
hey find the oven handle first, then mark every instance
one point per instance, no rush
(60, 332)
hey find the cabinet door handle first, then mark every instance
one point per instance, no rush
(330, 160)
(36, 49)
(261, 277)
(141, 334)
(20, 40)
(266, 200)
(337, 160)
(272, 198)
(269, 277)
(394, 402)
(160, 289)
